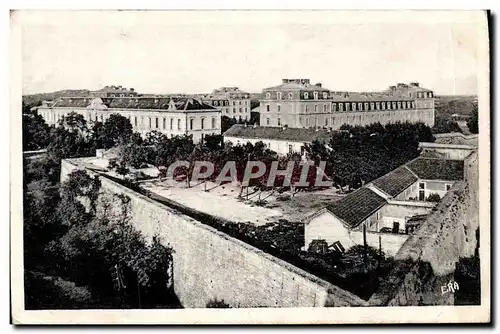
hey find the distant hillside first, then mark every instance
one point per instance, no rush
(447, 105)
(34, 100)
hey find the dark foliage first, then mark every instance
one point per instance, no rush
(445, 126)
(472, 123)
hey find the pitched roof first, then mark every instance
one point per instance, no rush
(297, 86)
(278, 133)
(153, 103)
(393, 183)
(357, 206)
(437, 169)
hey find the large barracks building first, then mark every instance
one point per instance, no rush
(297, 103)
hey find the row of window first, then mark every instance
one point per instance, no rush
(226, 103)
(241, 110)
(156, 122)
(325, 95)
(356, 119)
(355, 106)
(153, 122)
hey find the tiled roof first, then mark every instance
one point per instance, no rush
(296, 86)
(135, 103)
(278, 133)
(357, 206)
(437, 169)
(393, 183)
(368, 97)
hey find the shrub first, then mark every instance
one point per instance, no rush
(215, 303)
(433, 198)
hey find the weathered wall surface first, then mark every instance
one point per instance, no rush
(445, 236)
(209, 264)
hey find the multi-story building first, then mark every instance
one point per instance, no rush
(114, 91)
(297, 103)
(171, 116)
(233, 102)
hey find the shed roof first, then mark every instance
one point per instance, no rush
(357, 206)
(278, 133)
(394, 182)
(437, 169)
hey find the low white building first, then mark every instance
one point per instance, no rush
(384, 210)
(169, 115)
(282, 140)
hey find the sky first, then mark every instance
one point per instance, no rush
(195, 52)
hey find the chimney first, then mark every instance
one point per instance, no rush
(318, 84)
(392, 87)
(414, 84)
(284, 81)
(132, 89)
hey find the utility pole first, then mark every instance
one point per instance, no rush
(248, 159)
(365, 260)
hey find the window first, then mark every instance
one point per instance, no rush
(278, 94)
(214, 123)
(325, 95)
(268, 96)
(306, 95)
(290, 149)
(164, 123)
(216, 103)
(171, 124)
(372, 106)
(178, 124)
(135, 120)
(341, 107)
(191, 124)
(279, 121)
(448, 187)
(377, 105)
(267, 121)
(365, 105)
(268, 108)
(307, 122)
(325, 107)
(383, 105)
(315, 108)
(149, 121)
(240, 110)
(307, 109)
(393, 105)
(353, 106)
(326, 121)
(279, 108)
(315, 95)
(156, 123)
(234, 110)
(202, 123)
(290, 95)
(399, 104)
(334, 106)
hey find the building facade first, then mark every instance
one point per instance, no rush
(282, 140)
(299, 104)
(233, 102)
(171, 116)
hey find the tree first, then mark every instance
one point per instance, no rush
(35, 132)
(473, 122)
(445, 126)
(116, 129)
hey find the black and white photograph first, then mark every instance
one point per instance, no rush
(250, 167)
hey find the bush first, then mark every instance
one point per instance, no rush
(215, 303)
(433, 198)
